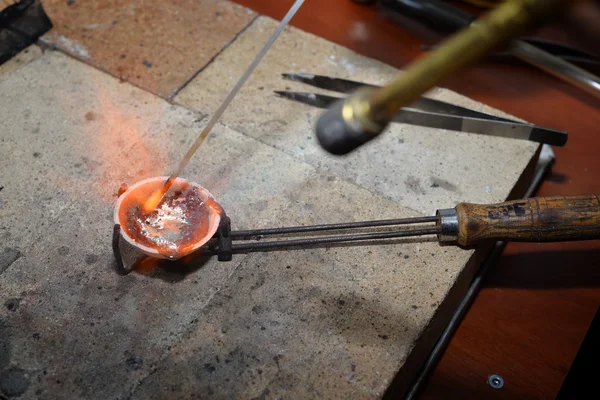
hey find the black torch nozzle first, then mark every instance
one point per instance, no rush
(347, 124)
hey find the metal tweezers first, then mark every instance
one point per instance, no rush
(429, 112)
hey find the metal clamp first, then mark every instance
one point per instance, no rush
(224, 243)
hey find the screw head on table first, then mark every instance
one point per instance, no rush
(496, 381)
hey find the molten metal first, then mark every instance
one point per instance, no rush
(184, 219)
(154, 200)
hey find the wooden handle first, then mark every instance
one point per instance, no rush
(541, 219)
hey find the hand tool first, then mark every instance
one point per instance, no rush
(429, 112)
(573, 55)
(483, 3)
(21, 24)
(365, 114)
(445, 17)
(536, 219)
(154, 200)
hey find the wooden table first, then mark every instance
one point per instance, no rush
(530, 318)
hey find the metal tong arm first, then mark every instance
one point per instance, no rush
(476, 122)
(538, 219)
(347, 86)
(223, 243)
(254, 233)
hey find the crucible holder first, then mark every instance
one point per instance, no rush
(225, 242)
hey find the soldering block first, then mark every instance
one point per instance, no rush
(338, 322)
(21, 59)
(421, 169)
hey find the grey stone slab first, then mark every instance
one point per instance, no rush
(319, 323)
(78, 329)
(71, 327)
(26, 55)
(71, 133)
(70, 324)
(421, 168)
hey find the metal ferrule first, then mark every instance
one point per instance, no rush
(448, 223)
(357, 113)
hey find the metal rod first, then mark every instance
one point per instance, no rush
(327, 227)
(157, 196)
(254, 246)
(561, 69)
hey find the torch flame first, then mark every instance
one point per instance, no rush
(153, 201)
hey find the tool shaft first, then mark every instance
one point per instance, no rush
(535, 51)
(332, 227)
(541, 219)
(561, 69)
(459, 51)
(258, 246)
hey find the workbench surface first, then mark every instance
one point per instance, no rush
(340, 322)
(538, 300)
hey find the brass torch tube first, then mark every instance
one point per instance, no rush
(498, 26)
